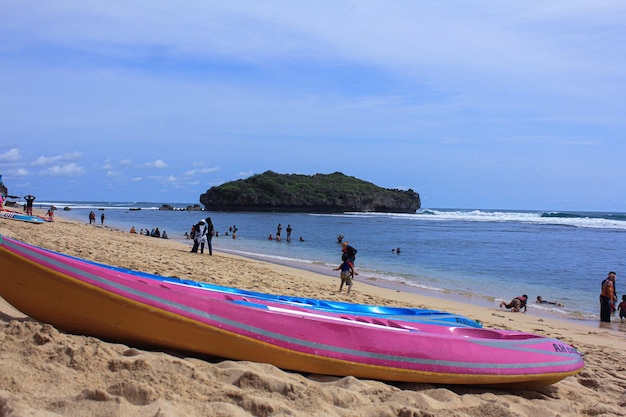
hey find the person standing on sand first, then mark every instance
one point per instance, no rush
(197, 233)
(347, 272)
(204, 232)
(516, 304)
(92, 218)
(29, 204)
(210, 232)
(102, 219)
(350, 251)
(607, 297)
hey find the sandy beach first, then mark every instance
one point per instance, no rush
(45, 372)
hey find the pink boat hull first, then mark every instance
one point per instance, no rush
(84, 298)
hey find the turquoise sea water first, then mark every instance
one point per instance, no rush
(478, 256)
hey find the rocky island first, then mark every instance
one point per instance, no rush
(319, 193)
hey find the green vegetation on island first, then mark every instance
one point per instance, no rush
(319, 193)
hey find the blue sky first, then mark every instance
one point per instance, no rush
(481, 104)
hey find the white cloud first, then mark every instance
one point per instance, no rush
(47, 160)
(11, 155)
(158, 164)
(69, 170)
(163, 179)
(72, 156)
(20, 172)
(198, 171)
(43, 160)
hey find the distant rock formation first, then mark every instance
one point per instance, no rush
(169, 207)
(319, 193)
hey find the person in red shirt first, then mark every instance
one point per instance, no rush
(516, 304)
(607, 297)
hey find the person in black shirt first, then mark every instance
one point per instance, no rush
(349, 250)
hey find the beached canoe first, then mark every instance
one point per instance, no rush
(84, 298)
(14, 215)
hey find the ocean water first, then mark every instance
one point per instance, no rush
(477, 256)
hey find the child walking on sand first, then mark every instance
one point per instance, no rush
(622, 308)
(347, 272)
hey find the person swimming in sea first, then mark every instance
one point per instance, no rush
(540, 300)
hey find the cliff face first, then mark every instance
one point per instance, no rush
(320, 193)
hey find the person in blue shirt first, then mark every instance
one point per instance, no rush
(347, 272)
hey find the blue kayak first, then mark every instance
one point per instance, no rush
(421, 315)
(7, 214)
(401, 313)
